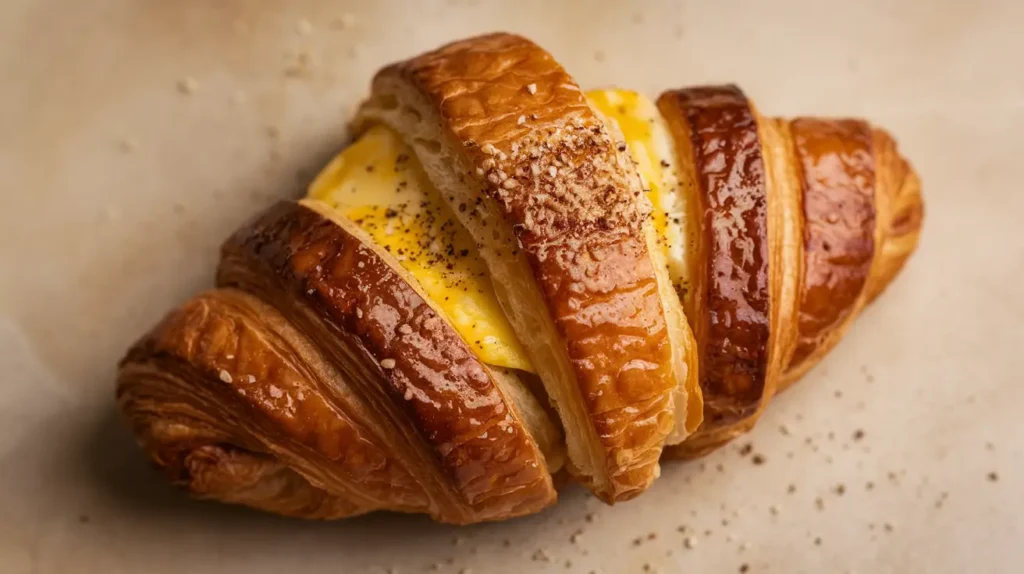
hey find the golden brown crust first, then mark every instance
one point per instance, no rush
(872, 184)
(225, 396)
(400, 354)
(900, 212)
(839, 223)
(528, 139)
(731, 318)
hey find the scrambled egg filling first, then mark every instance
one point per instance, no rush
(378, 184)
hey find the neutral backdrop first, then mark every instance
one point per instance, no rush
(135, 135)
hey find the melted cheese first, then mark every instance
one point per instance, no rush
(378, 184)
(650, 145)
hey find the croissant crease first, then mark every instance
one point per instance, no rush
(591, 283)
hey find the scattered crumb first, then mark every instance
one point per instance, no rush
(590, 517)
(993, 476)
(681, 528)
(870, 485)
(990, 446)
(889, 527)
(188, 86)
(127, 144)
(744, 567)
(344, 21)
(858, 434)
(689, 542)
(840, 489)
(568, 563)
(791, 489)
(648, 567)
(744, 546)
(541, 555)
(599, 56)
(758, 459)
(638, 541)
(746, 449)
(457, 540)
(506, 543)
(575, 537)
(303, 27)
(819, 503)
(652, 535)
(839, 394)
(784, 430)
(817, 541)
(532, 88)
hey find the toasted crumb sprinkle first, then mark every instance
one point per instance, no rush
(225, 376)
(521, 120)
(388, 363)
(532, 88)
(690, 542)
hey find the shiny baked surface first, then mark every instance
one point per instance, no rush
(374, 325)
(536, 149)
(730, 309)
(838, 172)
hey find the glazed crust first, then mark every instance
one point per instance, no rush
(527, 142)
(730, 308)
(838, 177)
(862, 198)
(233, 403)
(400, 354)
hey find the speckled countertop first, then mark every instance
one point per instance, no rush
(135, 135)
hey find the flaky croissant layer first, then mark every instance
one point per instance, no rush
(506, 278)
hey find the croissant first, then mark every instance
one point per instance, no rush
(504, 280)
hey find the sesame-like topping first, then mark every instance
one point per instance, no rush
(387, 363)
(225, 376)
(532, 88)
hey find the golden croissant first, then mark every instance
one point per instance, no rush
(505, 278)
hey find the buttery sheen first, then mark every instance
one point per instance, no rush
(378, 184)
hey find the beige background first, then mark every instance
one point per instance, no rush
(117, 189)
